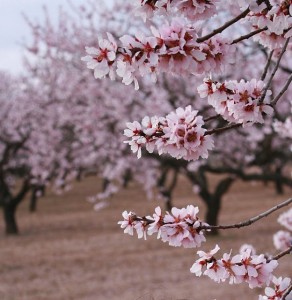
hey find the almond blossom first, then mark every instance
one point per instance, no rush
(278, 21)
(128, 223)
(192, 9)
(101, 59)
(179, 134)
(181, 227)
(245, 267)
(238, 102)
(282, 240)
(285, 219)
(172, 48)
(276, 293)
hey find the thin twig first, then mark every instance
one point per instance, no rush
(247, 36)
(222, 129)
(267, 65)
(288, 291)
(284, 89)
(250, 221)
(237, 225)
(224, 26)
(212, 118)
(281, 254)
(274, 71)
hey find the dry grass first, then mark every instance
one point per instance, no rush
(67, 251)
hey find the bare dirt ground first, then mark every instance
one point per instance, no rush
(67, 251)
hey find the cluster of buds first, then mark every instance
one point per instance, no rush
(181, 227)
(179, 134)
(247, 267)
(192, 9)
(238, 102)
(277, 20)
(172, 49)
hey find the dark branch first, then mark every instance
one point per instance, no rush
(267, 65)
(222, 129)
(274, 71)
(247, 36)
(282, 92)
(250, 221)
(223, 27)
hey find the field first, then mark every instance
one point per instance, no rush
(67, 251)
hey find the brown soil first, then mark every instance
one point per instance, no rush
(68, 251)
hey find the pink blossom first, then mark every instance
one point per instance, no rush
(278, 21)
(100, 59)
(181, 227)
(128, 224)
(247, 247)
(252, 269)
(238, 102)
(234, 268)
(158, 222)
(276, 293)
(282, 240)
(179, 134)
(192, 9)
(205, 259)
(285, 219)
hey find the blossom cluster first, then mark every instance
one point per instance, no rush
(247, 267)
(192, 9)
(181, 227)
(179, 134)
(280, 287)
(283, 239)
(238, 102)
(172, 48)
(277, 20)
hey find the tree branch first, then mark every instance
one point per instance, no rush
(247, 36)
(232, 226)
(281, 254)
(284, 89)
(222, 129)
(274, 71)
(250, 221)
(288, 291)
(223, 27)
(267, 66)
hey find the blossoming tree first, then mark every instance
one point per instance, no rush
(195, 43)
(60, 47)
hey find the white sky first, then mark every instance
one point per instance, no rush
(13, 29)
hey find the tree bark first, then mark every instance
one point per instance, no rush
(33, 202)
(212, 214)
(9, 205)
(9, 212)
(38, 191)
(214, 202)
(278, 181)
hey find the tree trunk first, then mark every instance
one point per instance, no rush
(9, 211)
(278, 182)
(212, 214)
(127, 178)
(168, 203)
(33, 202)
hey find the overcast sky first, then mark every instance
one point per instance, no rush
(13, 29)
